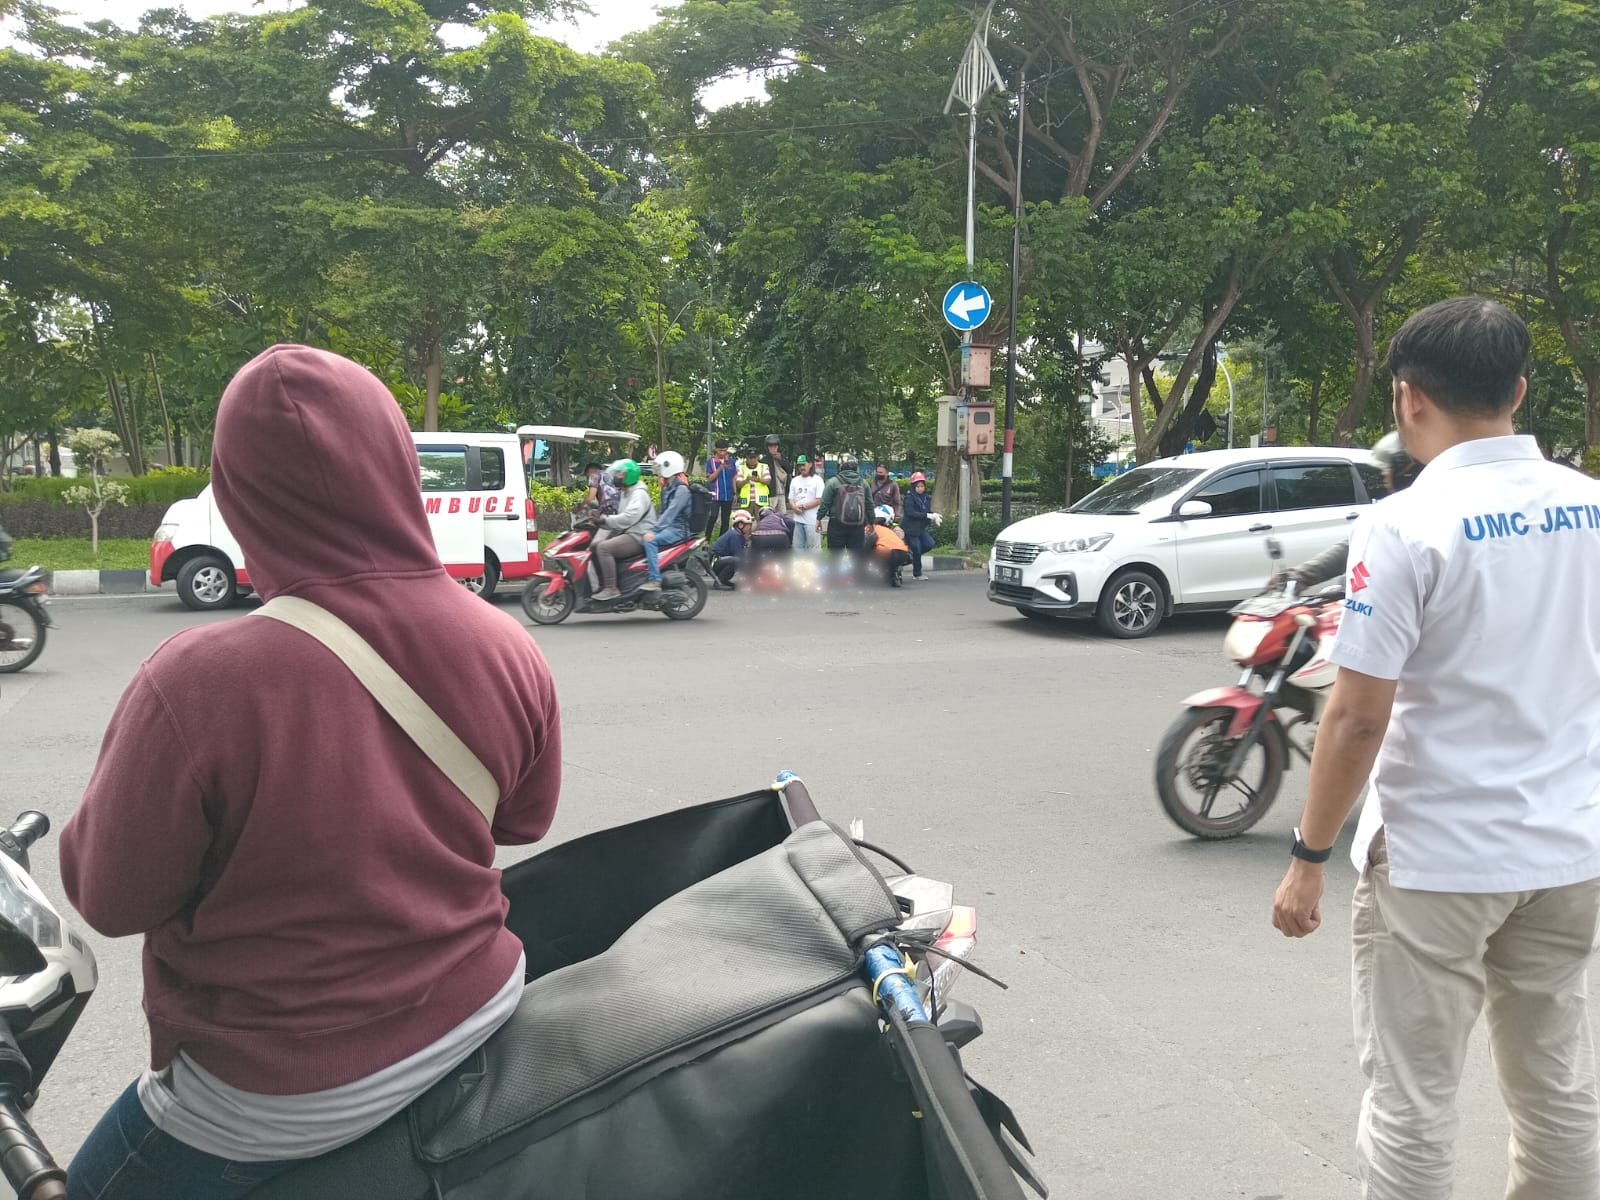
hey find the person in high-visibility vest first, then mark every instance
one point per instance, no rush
(755, 485)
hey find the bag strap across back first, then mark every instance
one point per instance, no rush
(395, 696)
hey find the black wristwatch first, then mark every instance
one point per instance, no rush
(1303, 851)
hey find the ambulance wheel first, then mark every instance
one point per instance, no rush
(206, 583)
(484, 585)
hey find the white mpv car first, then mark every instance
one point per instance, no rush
(1180, 534)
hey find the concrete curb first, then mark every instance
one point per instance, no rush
(99, 583)
(946, 562)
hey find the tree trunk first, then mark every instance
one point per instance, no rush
(434, 369)
(94, 532)
(1365, 321)
(166, 420)
(1315, 407)
(1136, 368)
(1176, 439)
(55, 453)
(1591, 383)
(661, 388)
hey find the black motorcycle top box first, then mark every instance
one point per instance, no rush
(696, 1025)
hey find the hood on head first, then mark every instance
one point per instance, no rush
(315, 473)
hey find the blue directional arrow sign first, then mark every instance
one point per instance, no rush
(967, 305)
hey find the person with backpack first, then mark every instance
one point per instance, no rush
(672, 526)
(847, 507)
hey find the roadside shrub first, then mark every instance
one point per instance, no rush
(164, 485)
(1591, 462)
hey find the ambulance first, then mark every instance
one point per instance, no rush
(475, 491)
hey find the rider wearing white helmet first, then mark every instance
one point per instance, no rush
(672, 527)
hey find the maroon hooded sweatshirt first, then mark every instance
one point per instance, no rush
(318, 901)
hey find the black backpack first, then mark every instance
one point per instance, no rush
(850, 505)
(700, 503)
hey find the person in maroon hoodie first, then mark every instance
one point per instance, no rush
(324, 931)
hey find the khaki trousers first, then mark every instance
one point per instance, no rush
(1425, 963)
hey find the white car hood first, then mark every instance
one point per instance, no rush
(1058, 526)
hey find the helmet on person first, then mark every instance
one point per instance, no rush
(742, 517)
(883, 514)
(1390, 454)
(918, 477)
(848, 462)
(669, 463)
(766, 512)
(772, 439)
(626, 470)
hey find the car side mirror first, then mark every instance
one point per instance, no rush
(19, 956)
(1194, 508)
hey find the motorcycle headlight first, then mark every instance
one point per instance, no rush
(1079, 545)
(1244, 638)
(23, 905)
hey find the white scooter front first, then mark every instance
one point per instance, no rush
(47, 973)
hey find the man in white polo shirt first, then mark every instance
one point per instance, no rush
(1470, 677)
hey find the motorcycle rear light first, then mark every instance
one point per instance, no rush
(37, 589)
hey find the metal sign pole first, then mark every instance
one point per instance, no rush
(1016, 301)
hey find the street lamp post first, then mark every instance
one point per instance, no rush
(1222, 361)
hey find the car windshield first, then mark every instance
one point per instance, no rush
(1128, 493)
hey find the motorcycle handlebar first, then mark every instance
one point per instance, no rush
(29, 827)
(24, 1161)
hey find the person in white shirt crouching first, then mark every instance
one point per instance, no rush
(1469, 690)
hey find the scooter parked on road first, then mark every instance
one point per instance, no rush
(1220, 765)
(569, 581)
(23, 618)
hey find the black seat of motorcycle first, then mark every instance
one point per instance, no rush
(574, 900)
(723, 1046)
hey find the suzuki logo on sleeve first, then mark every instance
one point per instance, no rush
(1359, 576)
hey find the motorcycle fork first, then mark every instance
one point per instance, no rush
(1269, 696)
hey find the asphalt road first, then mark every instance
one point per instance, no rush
(1159, 1038)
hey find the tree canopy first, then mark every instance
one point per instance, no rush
(508, 230)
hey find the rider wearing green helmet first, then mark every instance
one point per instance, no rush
(624, 532)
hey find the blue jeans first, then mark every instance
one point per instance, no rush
(807, 537)
(919, 544)
(652, 553)
(127, 1158)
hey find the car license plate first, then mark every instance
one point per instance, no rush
(1008, 575)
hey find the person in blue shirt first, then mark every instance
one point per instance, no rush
(672, 526)
(721, 473)
(732, 551)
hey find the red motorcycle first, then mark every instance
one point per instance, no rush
(1232, 745)
(569, 581)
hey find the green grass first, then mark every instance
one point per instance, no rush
(73, 554)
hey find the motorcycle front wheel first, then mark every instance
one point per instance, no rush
(545, 609)
(684, 603)
(1190, 775)
(21, 636)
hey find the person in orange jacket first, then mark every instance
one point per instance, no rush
(890, 551)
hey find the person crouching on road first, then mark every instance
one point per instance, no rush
(919, 515)
(324, 930)
(672, 528)
(731, 551)
(889, 549)
(635, 517)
